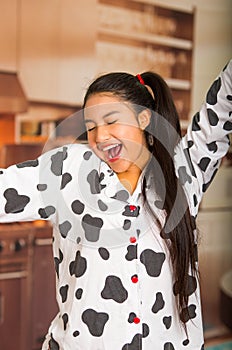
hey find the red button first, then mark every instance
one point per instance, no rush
(134, 279)
(136, 320)
(132, 239)
(132, 207)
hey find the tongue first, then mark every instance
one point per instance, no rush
(115, 151)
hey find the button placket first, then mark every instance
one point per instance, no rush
(135, 278)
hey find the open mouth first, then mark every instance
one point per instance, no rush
(113, 152)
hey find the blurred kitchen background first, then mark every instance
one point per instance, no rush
(49, 53)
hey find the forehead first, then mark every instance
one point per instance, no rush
(104, 104)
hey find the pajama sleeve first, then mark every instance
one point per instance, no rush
(200, 151)
(30, 190)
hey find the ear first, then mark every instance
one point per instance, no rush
(144, 118)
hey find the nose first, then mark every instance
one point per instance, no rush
(102, 133)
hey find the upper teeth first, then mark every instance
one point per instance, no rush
(109, 147)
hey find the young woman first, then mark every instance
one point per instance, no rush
(123, 209)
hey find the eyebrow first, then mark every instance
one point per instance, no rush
(104, 116)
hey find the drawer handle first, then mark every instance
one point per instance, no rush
(13, 275)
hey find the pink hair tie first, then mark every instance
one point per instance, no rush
(140, 79)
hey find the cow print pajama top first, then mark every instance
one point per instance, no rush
(115, 287)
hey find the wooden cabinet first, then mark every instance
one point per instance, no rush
(8, 35)
(135, 36)
(15, 286)
(56, 49)
(43, 306)
(27, 285)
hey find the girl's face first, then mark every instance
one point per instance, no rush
(115, 133)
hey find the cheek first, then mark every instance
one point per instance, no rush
(90, 138)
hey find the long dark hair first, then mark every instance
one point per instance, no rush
(162, 135)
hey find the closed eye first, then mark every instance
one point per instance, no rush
(91, 128)
(111, 122)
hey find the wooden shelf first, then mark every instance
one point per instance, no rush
(149, 35)
(146, 38)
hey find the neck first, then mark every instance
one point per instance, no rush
(129, 179)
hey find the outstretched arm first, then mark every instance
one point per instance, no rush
(29, 190)
(206, 141)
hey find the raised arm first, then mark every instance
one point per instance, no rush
(207, 141)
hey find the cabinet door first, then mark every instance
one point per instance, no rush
(77, 59)
(8, 35)
(39, 38)
(13, 312)
(57, 49)
(44, 306)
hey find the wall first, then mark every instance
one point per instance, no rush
(213, 44)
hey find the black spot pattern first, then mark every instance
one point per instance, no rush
(78, 266)
(146, 330)
(46, 212)
(15, 203)
(114, 289)
(121, 195)
(185, 342)
(104, 253)
(77, 207)
(212, 146)
(64, 228)
(159, 303)
(152, 261)
(213, 117)
(195, 125)
(131, 317)
(65, 320)
(195, 201)
(66, 178)
(102, 206)
(28, 164)
(1, 172)
(64, 293)
(188, 313)
(76, 333)
(136, 343)
(58, 261)
(159, 204)
(188, 158)
(53, 345)
(131, 252)
(92, 227)
(131, 210)
(227, 126)
(191, 286)
(87, 155)
(126, 225)
(168, 346)
(167, 321)
(95, 321)
(94, 180)
(42, 187)
(183, 175)
(57, 161)
(79, 293)
(203, 164)
(211, 96)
